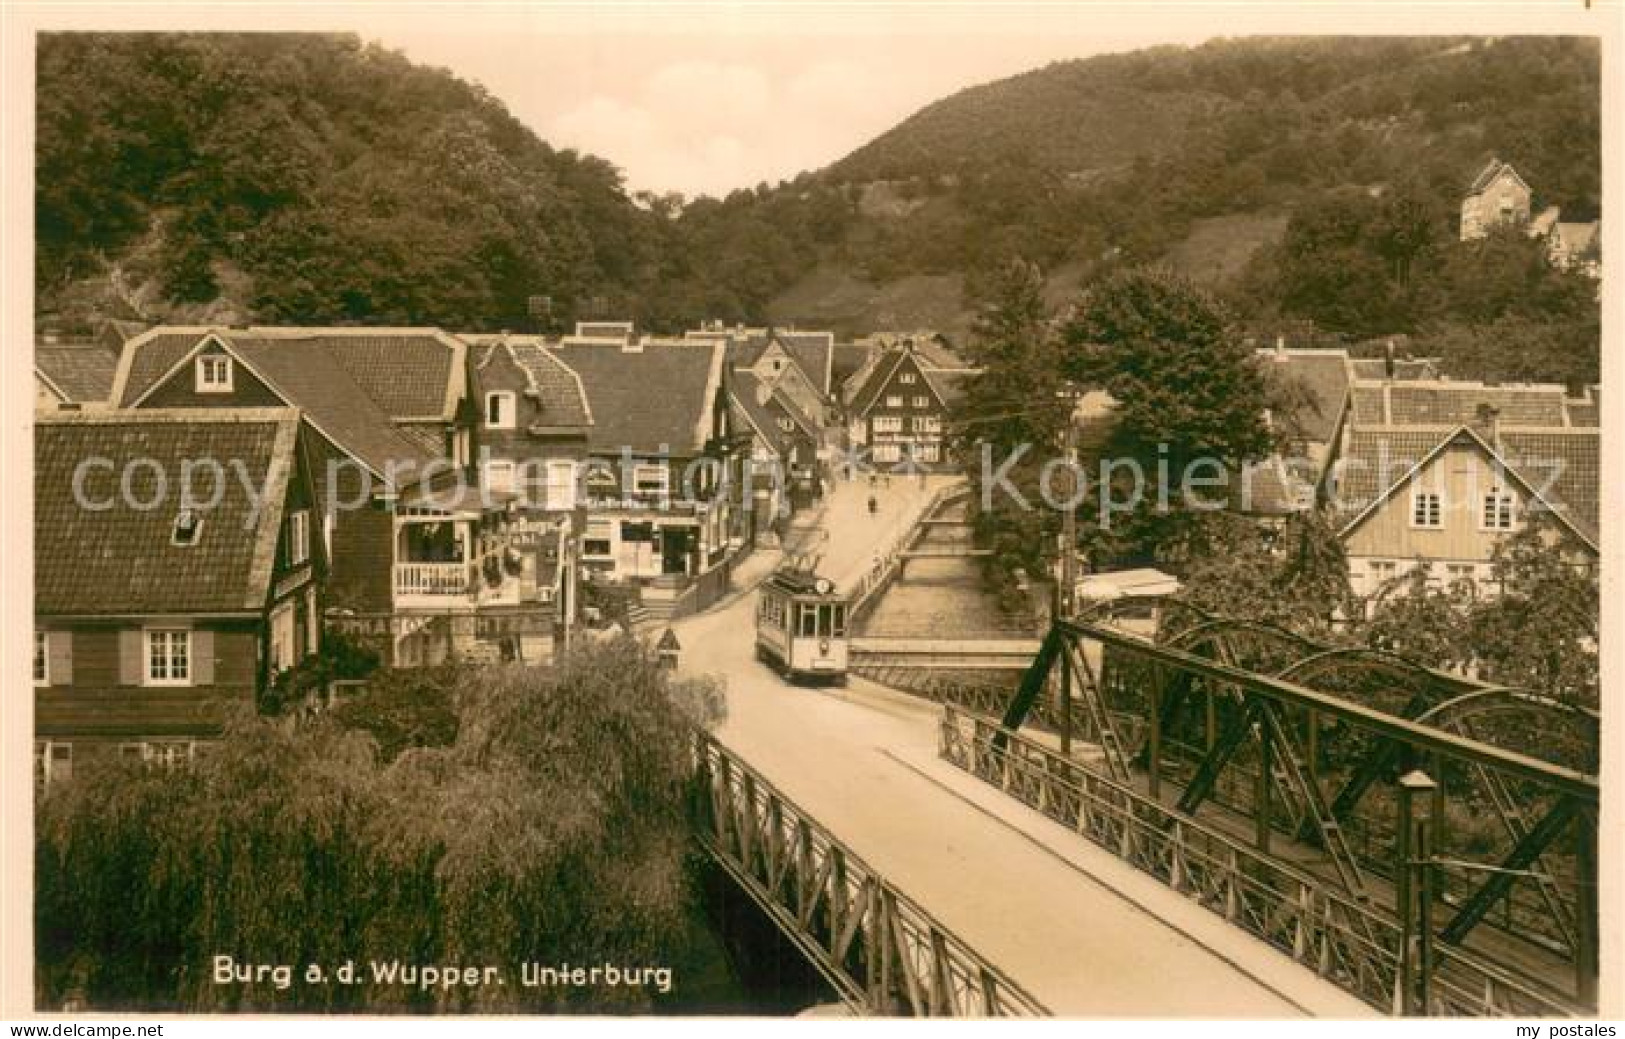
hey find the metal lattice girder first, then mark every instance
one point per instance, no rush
(1501, 878)
(1083, 676)
(1423, 738)
(1213, 762)
(880, 952)
(1032, 683)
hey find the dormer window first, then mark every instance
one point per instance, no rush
(499, 410)
(188, 526)
(787, 424)
(214, 373)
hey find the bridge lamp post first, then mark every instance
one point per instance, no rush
(1413, 897)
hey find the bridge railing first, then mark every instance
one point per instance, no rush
(1349, 943)
(880, 950)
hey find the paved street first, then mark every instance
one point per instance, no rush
(1084, 932)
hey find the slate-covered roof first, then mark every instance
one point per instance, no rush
(847, 359)
(1323, 378)
(873, 378)
(122, 560)
(1442, 403)
(409, 373)
(1487, 175)
(339, 378)
(747, 393)
(553, 384)
(643, 399)
(1560, 464)
(82, 372)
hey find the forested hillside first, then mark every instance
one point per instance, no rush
(309, 178)
(1313, 183)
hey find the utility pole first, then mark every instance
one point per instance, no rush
(1066, 585)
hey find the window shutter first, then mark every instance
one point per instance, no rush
(59, 650)
(132, 651)
(202, 648)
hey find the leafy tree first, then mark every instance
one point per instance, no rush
(1190, 396)
(1540, 631)
(553, 819)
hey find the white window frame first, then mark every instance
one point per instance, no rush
(1427, 510)
(172, 637)
(922, 401)
(927, 424)
(1500, 511)
(787, 424)
(204, 371)
(888, 453)
(298, 537)
(45, 759)
(42, 657)
(927, 453)
(641, 471)
(894, 400)
(908, 378)
(505, 415)
(888, 424)
(559, 486)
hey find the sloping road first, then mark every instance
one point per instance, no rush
(1085, 933)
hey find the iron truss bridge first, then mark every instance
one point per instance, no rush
(879, 950)
(1379, 822)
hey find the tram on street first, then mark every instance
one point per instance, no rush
(801, 627)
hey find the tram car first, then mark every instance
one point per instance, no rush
(801, 627)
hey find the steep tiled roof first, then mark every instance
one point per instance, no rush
(813, 351)
(407, 372)
(746, 392)
(873, 379)
(1560, 465)
(1487, 175)
(309, 376)
(948, 382)
(121, 560)
(554, 385)
(1323, 376)
(81, 372)
(847, 359)
(642, 399)
(340, 378)
(1440, 403)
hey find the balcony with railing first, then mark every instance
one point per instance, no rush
(430, 584)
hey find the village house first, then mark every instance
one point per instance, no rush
(1437, 474)
(422, 563)
(661, 481)
(798, 362)
(73, 373)
(897, 406)
(785, 473)
(155, 616)
(1497, 196)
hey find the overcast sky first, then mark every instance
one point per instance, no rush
(722, 98)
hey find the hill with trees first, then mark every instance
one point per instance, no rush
(1312, 184)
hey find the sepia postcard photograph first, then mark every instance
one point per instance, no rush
(781, 511)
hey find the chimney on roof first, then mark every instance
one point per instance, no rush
(1487, 422)
(1388, 359)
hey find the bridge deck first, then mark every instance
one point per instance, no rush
(1082, 931)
